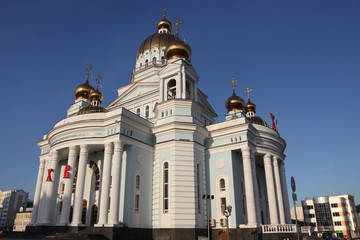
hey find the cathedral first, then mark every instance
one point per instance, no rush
(155, 160)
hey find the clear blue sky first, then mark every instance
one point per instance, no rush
(301, 57)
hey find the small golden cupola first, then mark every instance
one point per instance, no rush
(164, 25)
(234, 102)
(96, 96)
(178, 48)
(250, 108)
(84, 90)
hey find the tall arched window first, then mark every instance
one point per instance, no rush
(137, 182)
(154, 60)
(166, 187)
(138, 111)
(147, 111)
(198, 187)
(96, 172)
(171, 89)
(146, 62)
(222, 185)
(162, 59)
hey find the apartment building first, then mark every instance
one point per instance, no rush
(10, 202)
(333, 216)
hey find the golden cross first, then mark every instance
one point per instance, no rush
(88, 72)
(247, 91)
(233, 81)
(176, 26)
(98, 81)
(164, 11)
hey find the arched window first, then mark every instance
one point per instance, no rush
(138, 111)
(147, 111)
(222, 185)
(137, 182)
(171, 89)
(163, 59)
(154, 60)
(166, 187)
(146, 62)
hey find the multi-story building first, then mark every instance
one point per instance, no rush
(23, 217)
(10, 202)
(151, 157)
(334, 216)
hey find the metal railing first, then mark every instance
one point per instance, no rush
(279, 228)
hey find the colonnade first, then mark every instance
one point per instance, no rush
(279, 209)
(45, 186)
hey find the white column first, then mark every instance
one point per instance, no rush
(80, 181)
(105, 185)
(115, 184)
(49, 189)
(285, 192)
(249, 187)
(256, 188)
(65, 213)
(274, 218)
(38, 191)
(279, 190)
(42, 192)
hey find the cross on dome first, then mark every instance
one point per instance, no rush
(233, 81)
(98, 81)
(88, 72)
(247, 92)
(164, 11)
(176, 26)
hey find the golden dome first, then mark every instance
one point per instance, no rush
(156, 40)
(250, 107)
(164, 23)
(96, 95)
(83, 91)
(178, 48)
(234, 103)
(257, 120)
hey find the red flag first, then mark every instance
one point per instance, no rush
(272, 120)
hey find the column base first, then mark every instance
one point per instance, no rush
(114, 225)
(100, 225)
(63, 224)
(76, 225)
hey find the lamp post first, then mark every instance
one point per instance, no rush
(208, 198)
(226, 210)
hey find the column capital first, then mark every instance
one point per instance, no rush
(118, 145)
(42, 162)
(54, 155)
(73, 148)
(246, 151)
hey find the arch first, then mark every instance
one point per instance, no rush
(83, 213)
(154, 60)
(94, 210)
(138, 111)
(163, 59)
(171, 89)
(96, 172)
(146, 62)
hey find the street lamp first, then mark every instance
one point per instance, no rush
(208, 198)
(226, 211)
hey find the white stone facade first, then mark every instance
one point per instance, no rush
(148, 160)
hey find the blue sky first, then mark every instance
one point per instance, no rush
(300, 57)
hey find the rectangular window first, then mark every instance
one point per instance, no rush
(166, 187)
(336, 214)
(334, 205)
(310, 207)
(198, 186)
(137, 202)
(337, 223)
(223, 202)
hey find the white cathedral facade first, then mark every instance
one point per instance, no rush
(147, 159)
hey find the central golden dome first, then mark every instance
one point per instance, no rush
(160, 39)
(234, 103)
